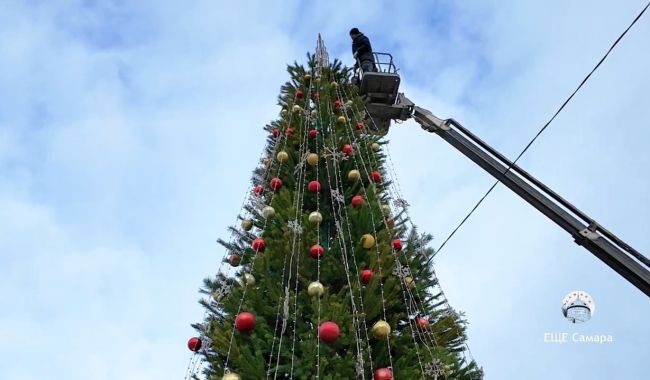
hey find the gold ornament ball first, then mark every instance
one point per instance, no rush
(307, 77)
(348, 103)
(367, 241)
(341, 119)
(266, 162)
(381, 330)
(247, 224)
(314, 113)
(312, 159)
(409, 282)
(282, 156)
(268, 212)
(317, 79)
(386, 209)
(334, 84)
(231, 376)
(354, 175)
(283, 112)
(297, 108)
(375, 147)
(249, 279)
(315, 289)
(315, 217)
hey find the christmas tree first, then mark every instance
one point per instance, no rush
(326, 277)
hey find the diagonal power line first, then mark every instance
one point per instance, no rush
(546, 125)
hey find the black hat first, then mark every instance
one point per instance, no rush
(354, 31)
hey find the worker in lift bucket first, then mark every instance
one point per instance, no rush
(362, 51)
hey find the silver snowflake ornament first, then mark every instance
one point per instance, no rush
(401, 203)
(333, 155)
(221, 293)
(295, 226)
(206, 343)
(401, 271)
(301, 164)
(433, 369)
(337, 196)
(258, 203)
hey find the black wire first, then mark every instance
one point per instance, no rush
(546, 125)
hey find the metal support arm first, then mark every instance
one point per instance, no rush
(619, 256)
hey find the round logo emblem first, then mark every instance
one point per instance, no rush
(578, 306)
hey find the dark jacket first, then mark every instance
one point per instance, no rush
(361, 46)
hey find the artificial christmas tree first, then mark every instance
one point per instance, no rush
(332, 284)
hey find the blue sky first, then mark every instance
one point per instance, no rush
(128, 131)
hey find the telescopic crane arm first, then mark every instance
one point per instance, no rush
(384, 103)
(586, 232)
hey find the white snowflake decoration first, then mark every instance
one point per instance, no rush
(295, 226)
(433, 369)
(258, 203)
(401, 203)
(300, 164)
(401, 271)
(333, 154)
(337, 196)
(419, 242)
(221, 293)
(420, 245)
(206, 343)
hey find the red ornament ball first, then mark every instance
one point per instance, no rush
(360, 126)
(358, 201)
(245, 322)
(313, 186)
(258, 190)
(347, 149)
(397, 244)
(276, 132)
(194, 344)
(276, 184)
(259, 245)
(316, 251)
(337, 104)
(375, 176)
(383, 374)
(329, 332)
(313, 133)
(423, 323)
(290, 131)
(366, 276)
(299, 94)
